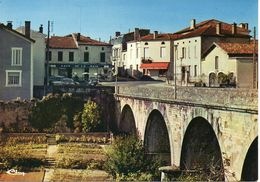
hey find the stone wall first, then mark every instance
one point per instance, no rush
(14, 113)
(226, 97)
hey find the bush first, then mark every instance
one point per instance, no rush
(91, 117)
(127, 156)
(50, 109)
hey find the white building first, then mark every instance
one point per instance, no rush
(190, 43)
(79, 55)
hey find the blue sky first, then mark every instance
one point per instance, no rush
(101, 18)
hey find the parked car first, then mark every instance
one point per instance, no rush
(65, 81)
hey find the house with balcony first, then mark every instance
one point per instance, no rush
(16, 63)
(191, 42)
(77, 55)
(231, 63)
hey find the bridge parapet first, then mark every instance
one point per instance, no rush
(221, 97)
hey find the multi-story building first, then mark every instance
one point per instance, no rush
(232, 63)
(190, 43)
(120, 48)
(16, 63)
(38, 56)
(78, 55)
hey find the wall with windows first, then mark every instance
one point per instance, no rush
(188, 57)
(15, 66)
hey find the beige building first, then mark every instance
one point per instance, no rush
(190, 44)
(78, 55)
(229, 63)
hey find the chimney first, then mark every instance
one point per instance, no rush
(193, 24)
(27, 29)
(78, 37)
(242, 25)
(136, 34)
(246, 26)
(218, 28)
(10, 24)
(155, 34)
(118, 34)
(234, 28)
(41, 29)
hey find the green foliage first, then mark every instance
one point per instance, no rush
(82, 138)
(49, 110)
(31, 139)
(91, 116)
(135, 177)
(77, 122)
(126, 157)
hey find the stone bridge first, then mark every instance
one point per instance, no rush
(197, 126)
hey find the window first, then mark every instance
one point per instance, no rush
(216, 62)
(146, 43)
(86, 48)
(13, 78)
(146, 52)
(71, 56)
(183, 52)
(86, 56)
(195, 70)
(163, 43)
(49, 55)
(137, 52)
(102, 48)
(189, 51)
(162, 52)
(60, 56)
(137, 67)
(17, 56)
(102, 57)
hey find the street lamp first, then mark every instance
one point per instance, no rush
(175, 74)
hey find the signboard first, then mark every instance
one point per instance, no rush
(93, 65)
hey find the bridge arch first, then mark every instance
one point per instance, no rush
(156, 137)
(127, 121)
(201, 150)
(250, 166)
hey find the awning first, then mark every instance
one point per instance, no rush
(155, 66)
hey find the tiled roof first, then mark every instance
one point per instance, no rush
(16, 32)
(208, 28)
(88, 41)
(238, 48)
(57, 42)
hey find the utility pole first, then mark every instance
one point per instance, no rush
(46, 80)
(254, 61)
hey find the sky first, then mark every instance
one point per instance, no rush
(102, 18)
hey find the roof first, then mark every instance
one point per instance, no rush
(88, 41)
(57, 42)
(208, 28)
(235, 49)
(16, 32)
(155, 65)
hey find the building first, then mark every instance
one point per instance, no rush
(38, 56)
(16, 63)
(191, 42)
(231, 63)
(120, 48)
(78, 55)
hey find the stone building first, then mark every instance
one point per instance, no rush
(16, 63)
(79, 55)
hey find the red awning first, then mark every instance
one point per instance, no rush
(155, 66)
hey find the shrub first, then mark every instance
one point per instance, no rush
(127, 156)
(91, 116)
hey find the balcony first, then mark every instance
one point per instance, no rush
(146, 60)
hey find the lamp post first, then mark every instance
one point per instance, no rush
(175, 74)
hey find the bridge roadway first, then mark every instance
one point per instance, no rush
(203, 127)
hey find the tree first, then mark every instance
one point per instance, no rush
(91, 116)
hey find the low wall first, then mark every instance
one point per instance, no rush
(231, 97)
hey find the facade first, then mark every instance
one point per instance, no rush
(190, 43)
(120, 53)
(231, 60)
(77, 55)
(16, 63)
(39, 54)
